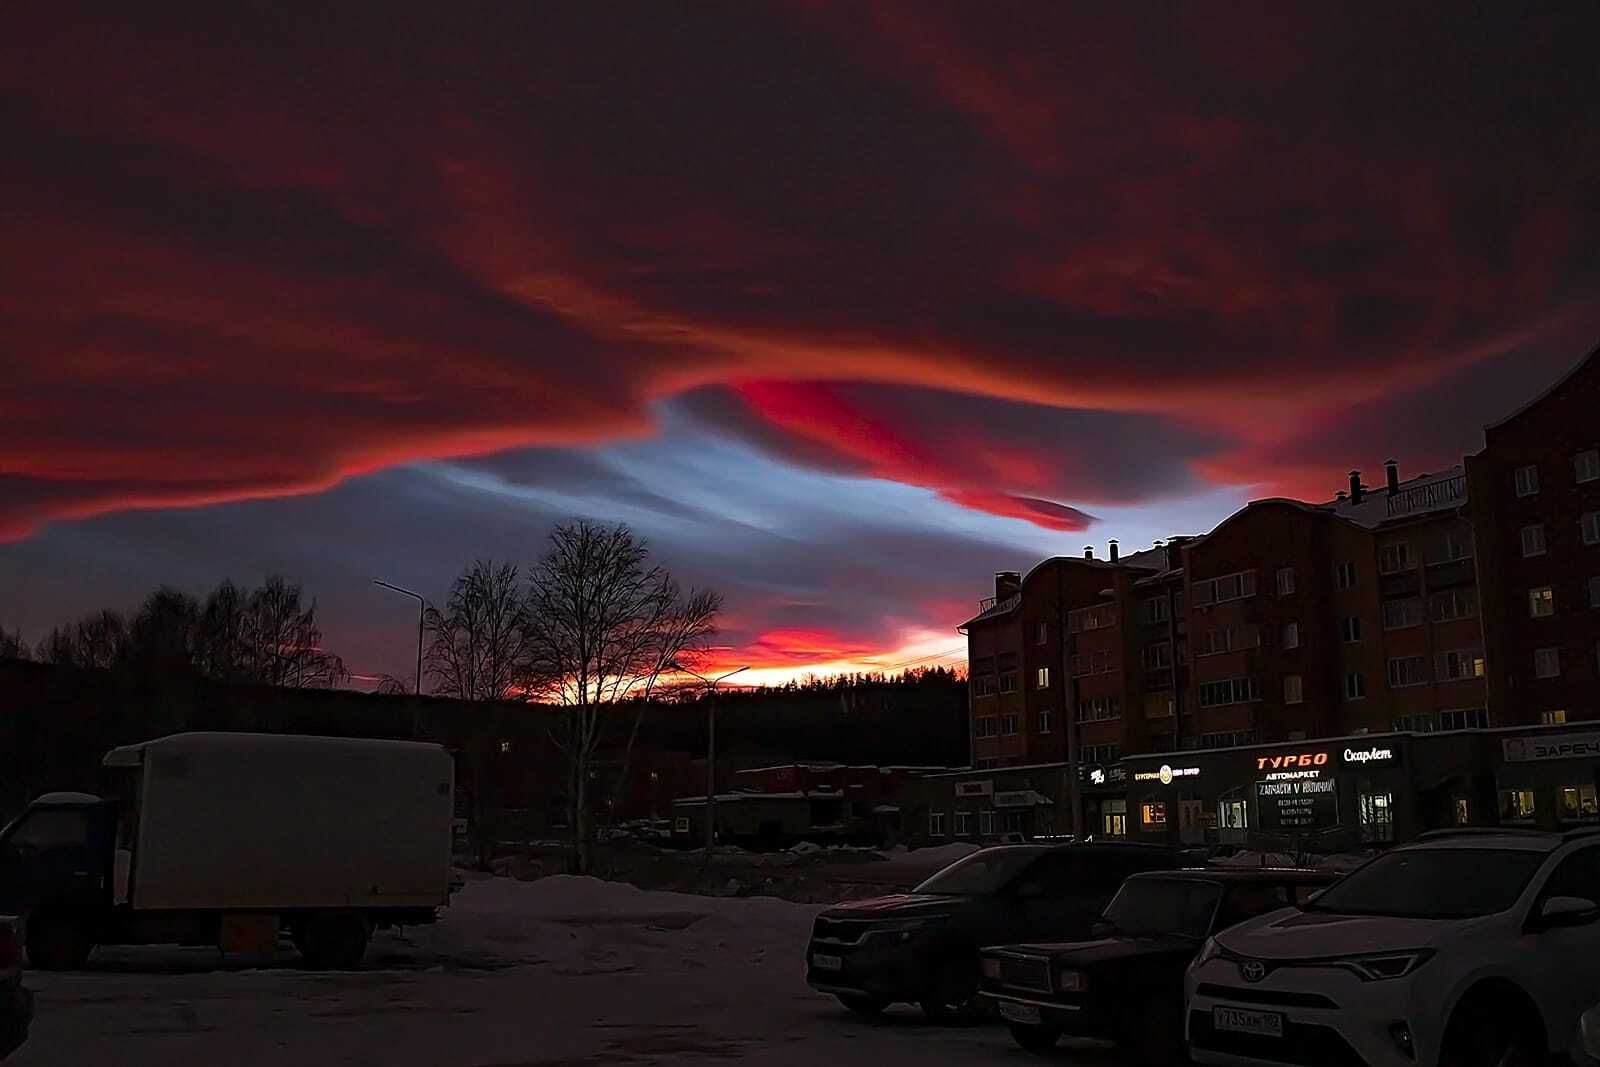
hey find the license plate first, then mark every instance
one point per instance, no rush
(1240, 1021)
(827, 963)
(1012, 1012)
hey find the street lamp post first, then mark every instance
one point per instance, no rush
(422, 612)
(711, 747)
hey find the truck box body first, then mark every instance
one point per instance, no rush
(241, 822)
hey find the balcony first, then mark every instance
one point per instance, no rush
(1429, 496)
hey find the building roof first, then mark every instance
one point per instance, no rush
(1149, 560)
(1554, 386)
(1424, 494)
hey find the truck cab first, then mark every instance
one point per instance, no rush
(57, 867)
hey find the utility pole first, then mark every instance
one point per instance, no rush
(711, 747)
(422, 612)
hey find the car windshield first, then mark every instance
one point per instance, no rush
(979, 873)
(1433, 883)
(1147, 907)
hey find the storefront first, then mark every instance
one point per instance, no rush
(988, 805)
(1547, 778)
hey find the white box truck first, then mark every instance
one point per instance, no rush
(229, 839)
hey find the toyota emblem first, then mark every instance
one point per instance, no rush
(1252, 970)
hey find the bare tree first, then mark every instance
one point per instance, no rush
(12, 646)
(282, 643)
(597, 613)
(481, 648)
(98, 640)
(390, 686)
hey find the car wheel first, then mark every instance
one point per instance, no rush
(954, 996)
(58, 944)
(332, 941)
(1487, 1043)
(867, 1007)
(1035, 1038)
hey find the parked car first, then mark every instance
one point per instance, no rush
(1589, 1038)
(16, 1003)
(1462, 948)
(1125, 983)
(922, 947)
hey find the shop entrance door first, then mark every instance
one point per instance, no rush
(1191, 825)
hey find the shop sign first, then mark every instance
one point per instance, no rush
(1552, 746)
(1368, 755)
(1095, 774)
(1166, 774)
(1299, 804)
(975, 789)
(1296, 759)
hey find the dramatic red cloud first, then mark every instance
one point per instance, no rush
(251, 253)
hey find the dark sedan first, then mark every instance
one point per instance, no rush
(1125, 983)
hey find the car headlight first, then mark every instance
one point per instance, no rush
(904, 930)
(1208, 952)
(1386, 965)
(1072, 982)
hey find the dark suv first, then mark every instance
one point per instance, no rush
(922, 947)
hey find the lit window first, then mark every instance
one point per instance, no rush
(1233, 813)
(1558, 717)
(1344, 575)
(1590, 525)
(1291, 635)
(1516, 805)
(1533, 540)
(1547, 663)
(1377, 816)
(1153, 813)
(1460, 663)
(1285, 581)
(1355, 686)
(1407, 670)
(1350, 629)
(1527, 480)
(1043, 680)
(1114, 817)
(1541, 602)
(1578, 801)
(1586, 466)
(1293, 691)
(1393, 558)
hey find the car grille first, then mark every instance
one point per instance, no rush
(840, 931)
(1301, 1043)
(1025, 973)
(1245, 995)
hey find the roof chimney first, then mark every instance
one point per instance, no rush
(1088, 552)
(1174, 551)
(1006, 583)
(1355, 487)
(1113, 547)
(1392, 469)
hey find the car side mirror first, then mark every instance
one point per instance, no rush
(1568, 911)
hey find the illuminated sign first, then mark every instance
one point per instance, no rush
(1299, 759)
(1552, 746)
(1097, 776)
(1166, 774)
(1368, 755)
(1298, 804)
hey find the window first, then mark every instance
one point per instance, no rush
(1558, 717)
(1457, 664)
(1350, 629)
(983, 685)
(985, 726)
(1099, 709)
(1008, 724)
(1344, 575)
(1229, 691)
(1044, 721)
(1041, 634)
(1463, 812)
(1516, 805)
(1285, 581)
(1153, 814)
(1219, 639)
(1541, 602)
(1407, 670)
(1293, 689)
(1590, 526)
(1101, 662)
(1042, 678)
(985, 824)
(1228, 587)
(1158, 656)
(1290, 638)
(1454, 604)
(1533, 540)
(963, 824)
(1464, 719)
(1547, 663)
(1421, 723)
(1586, 466)
(1526, 480)
(1377, 815)
(1096, 618)
(1578, 801)
(1400, 614)
(1355, 686)
(1099, 754)
(1226, 739)
(1008, 681)
(1394, 558)
(1154, 609)
(935, 824)
(1233, 812)
(1114, 817)
(1455, 545)
(1594, 591)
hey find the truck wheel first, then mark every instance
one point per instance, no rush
(867, 1007)
(954, 996)
(56, 944)
(332, 941)
(1032, 1038)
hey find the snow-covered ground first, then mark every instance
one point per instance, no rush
(559, 972)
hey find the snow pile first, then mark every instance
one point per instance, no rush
(590, 926)
(1255, 859)
(934, 857)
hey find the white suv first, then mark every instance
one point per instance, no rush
(1466, 948)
